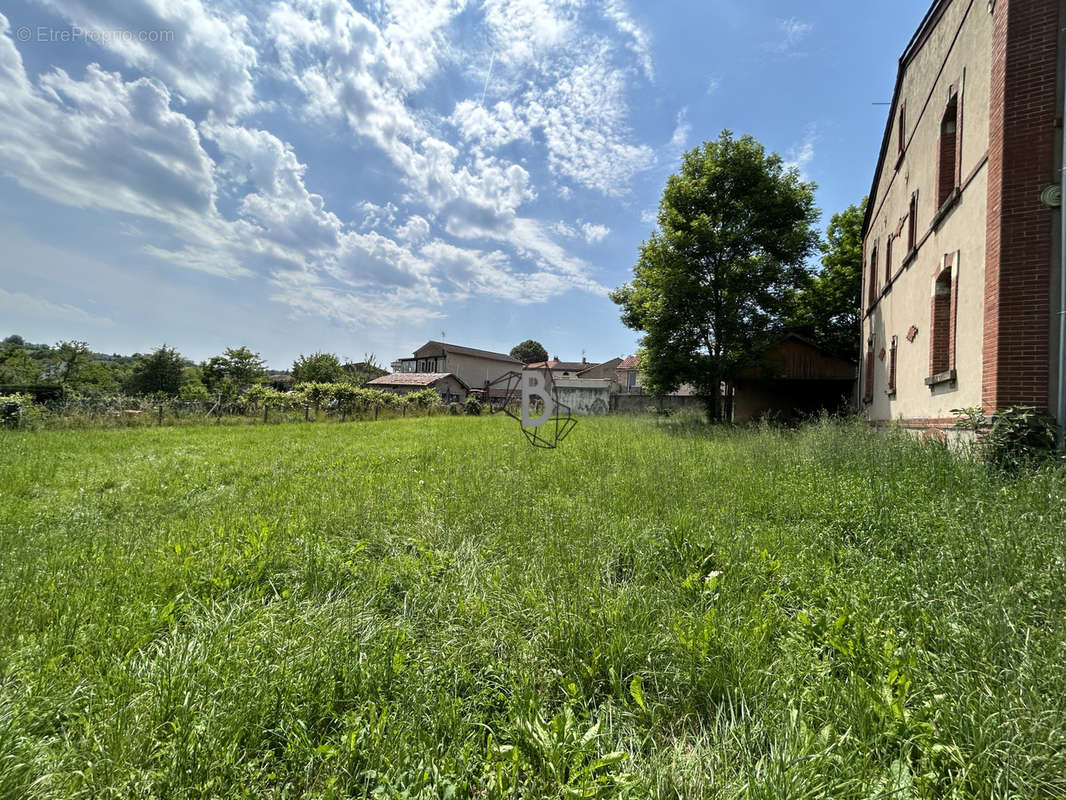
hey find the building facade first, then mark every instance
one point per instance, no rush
(962, 236)
(475, 368)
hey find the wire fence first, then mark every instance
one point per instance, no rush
(326, 406)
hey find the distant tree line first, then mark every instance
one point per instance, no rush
(164, 372)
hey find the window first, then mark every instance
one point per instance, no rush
(912, 223)
(868, 390)
(888, 260)
(901, 134)
(872, 290)
(892, 368)
(947, 163)
(942, 324)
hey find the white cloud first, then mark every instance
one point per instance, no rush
(714, 83)
(584, 124)
(594, 233)
(682, 129)
(639, 41)
(207, 56)
(171, 154)
(415, 230)
(801, 154)
(791, 31)
(25, 304)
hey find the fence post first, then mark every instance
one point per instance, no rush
(266, 410)
(160, 408)
(307, 413)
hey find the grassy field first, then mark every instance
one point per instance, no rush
(431, 608)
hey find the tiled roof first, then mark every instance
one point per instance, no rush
(410, 379)
(469, 351)
(569, 366)
(632, 362)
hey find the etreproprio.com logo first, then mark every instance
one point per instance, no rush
(531, 391)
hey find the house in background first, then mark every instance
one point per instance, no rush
(630, 380)
(450, 387)
(608, 370)
(561, 369)
(796, 378)
(476, 369)
(962, 241)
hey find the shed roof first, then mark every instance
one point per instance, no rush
(415, 379)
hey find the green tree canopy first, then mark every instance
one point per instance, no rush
(317, 368)
(711, 285)
(162, 372)
(233, 370)
(529, 351)
(16, 365)
(826, 309)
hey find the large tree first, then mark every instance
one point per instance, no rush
(235, 369)
(710, 288)
(529, 351)
(161, 372)
(317, 368)
(827, 308)
(16, 366)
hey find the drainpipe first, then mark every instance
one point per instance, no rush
(1060, 407)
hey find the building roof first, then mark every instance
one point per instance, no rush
(568, 366)
(614, 363)
(414, 379)
(929, 22)
(467, 351)
(631, 362)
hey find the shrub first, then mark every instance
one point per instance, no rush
(472, 406)
(17, 410)
(1015, 437)
(424, 399)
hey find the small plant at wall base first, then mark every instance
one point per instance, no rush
(1014, 437)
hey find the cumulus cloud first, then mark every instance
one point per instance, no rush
(206, 56)
(170, 149)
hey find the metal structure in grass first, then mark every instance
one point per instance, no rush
(532, 387)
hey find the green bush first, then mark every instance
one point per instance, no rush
(18, 411)
(424, 399)
(1013, 438)
(472, 406)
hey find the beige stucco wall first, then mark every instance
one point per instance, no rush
(939, 63)
(475, 371)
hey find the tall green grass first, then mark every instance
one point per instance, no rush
(431, 608)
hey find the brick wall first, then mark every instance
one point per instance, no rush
(1023, 138)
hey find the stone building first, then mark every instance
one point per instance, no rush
(962, 237)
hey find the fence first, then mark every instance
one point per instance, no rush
(316, 405)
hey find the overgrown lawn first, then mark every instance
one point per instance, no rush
(431, 608)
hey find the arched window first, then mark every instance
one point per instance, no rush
(947, 163)
(892, 368)
(872, 290)
(868, 377)
(942, 324)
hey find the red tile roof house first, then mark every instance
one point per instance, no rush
(450, 388)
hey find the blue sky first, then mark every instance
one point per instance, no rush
(302, 175)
